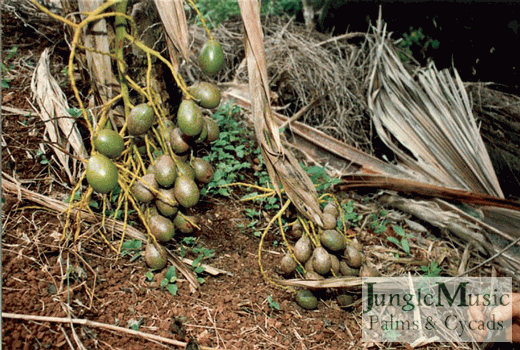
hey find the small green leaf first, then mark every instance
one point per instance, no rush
(432, 270)
(199, 269)
(399, 230)
(135, 256)
(164, 282)
(316, 170)
(189, 240)
(77, 197)
(196, 262)
(74, 112)
(172, 288)
(405, 246)
(223, 192)
(133, 244)
(149, 276)
(273, 304)
(134, 324)
(171, 274)
(394, 240)
(381, 228)
(251, 212)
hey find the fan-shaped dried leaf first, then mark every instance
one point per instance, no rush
(432, 119)
(506, 220)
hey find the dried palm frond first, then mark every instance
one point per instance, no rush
(428, 123)
(28, 13)
(506, 220)
(374, 181)
(60, 126)
(96, 38)
(282, 166)
(337, 282)
(175, 25)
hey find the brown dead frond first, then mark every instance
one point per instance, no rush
(173, 18)
(60, 127)
(103, 79)
(428, 122)
(282, 167)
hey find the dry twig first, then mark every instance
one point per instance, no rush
(89, 323)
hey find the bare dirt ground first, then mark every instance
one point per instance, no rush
(85, 279)
(229, 312)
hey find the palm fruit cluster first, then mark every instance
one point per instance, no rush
(324, 255)
(170, 183)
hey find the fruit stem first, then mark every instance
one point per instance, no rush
(188, 219)
(178, 79)
(162, 142)
(72, 205)
(125, 190)
(202, 20)
(103, 220)
(104, 113)
(120, 24)
(278, 217)
(269, 191)
(312, 235)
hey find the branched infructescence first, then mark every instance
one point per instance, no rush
(309, 230)
(145, 135)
